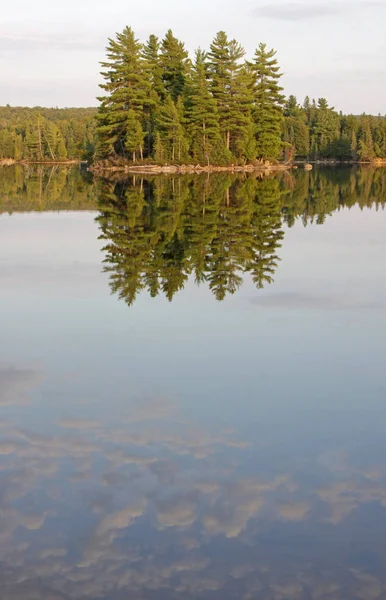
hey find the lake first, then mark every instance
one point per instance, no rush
(193, 386)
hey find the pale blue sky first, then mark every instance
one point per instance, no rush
(49, 52)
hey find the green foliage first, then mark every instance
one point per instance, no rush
(127, 87)
(268, 103)
(219, 109)
(45, 188)
(46, 134)
(174, 65)
(316, 131)
(202, 112)
(157, 232)
(134, 135)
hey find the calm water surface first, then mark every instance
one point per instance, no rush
(193, 386)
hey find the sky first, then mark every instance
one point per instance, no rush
(49, 52)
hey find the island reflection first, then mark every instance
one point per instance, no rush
(217, 229)
(255, 470)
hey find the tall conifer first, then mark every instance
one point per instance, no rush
(268, 103)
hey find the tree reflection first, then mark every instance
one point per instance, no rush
(158, 232)
(43, 188)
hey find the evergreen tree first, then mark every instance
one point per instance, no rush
(366, 145)
(134, 135)
(61, 149)
(268, 103)
(152, 64)
(174, 65)
(202, 116)
(172, 131)
(127, 88)
(230, 88)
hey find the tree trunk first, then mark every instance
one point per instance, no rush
(40, 142)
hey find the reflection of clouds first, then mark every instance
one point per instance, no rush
(305, 300)
(155, 498)
(368, 586)
(294, 512)
(290, 589)
(79, 424)
(326, 591)
(237, 504)
(344, 497)
(16, 383)
(177, 512)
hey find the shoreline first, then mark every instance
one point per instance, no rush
(100, 169)
(10, 162)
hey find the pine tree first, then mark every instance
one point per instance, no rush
(127, 88)
(174, 64)
(134, 135)
(229, 86)
(171, 130)
(354, 145)
(268, 103)
(202, 116)
(366, 144)
(152, 64)
(61, 149)
(325, 127)
(291, 108)
(159, 149)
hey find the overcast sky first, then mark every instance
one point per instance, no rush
(49, 52)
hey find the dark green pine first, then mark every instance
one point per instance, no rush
(268, 103)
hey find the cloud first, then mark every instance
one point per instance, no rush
(79, 424)
(305, 10)
(294, 511)
(176, 512)
(15, 383)
(305, 300)
(290, 589)
(31, 42)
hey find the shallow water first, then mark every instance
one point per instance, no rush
(192, 386)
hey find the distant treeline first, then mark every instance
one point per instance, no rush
(52, 134)
(316, 131)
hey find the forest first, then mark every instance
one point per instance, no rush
(47, 134)
(161, 106)
(219, 108)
